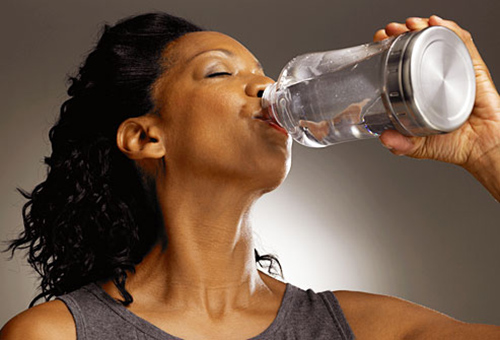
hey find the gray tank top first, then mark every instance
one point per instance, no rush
(302, 315)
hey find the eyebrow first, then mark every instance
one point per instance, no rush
(224, 51)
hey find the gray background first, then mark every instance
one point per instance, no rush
(350, 216)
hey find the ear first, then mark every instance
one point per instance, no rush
(141, 138)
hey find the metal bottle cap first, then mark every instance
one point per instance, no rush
(430, 82)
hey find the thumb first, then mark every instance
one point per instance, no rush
(399, 144)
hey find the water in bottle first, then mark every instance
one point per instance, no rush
(356, 93)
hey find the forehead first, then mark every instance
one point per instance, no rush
(192, 44)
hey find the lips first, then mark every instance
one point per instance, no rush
(264, 116)
(276, 126)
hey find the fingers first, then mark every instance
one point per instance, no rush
(380, 35)
(395, 28)
(417, 24)
(392, 29)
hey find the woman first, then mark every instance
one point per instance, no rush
(141, 228)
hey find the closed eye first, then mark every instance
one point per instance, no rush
(218, 74)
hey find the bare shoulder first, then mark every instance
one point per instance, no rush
(373, 316)
(49, 320)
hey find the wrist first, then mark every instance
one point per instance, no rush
(486, 169)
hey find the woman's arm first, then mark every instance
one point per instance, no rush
(382, 317)
(486, 169)
(476, 145)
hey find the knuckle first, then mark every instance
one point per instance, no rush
(388, 26)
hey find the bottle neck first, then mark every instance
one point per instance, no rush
(269, 102)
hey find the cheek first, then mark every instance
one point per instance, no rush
(216, 118)
(209, 127)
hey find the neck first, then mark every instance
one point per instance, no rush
(209, 258)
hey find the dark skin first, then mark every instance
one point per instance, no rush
(212, 158)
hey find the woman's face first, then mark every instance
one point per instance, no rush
(210, 105)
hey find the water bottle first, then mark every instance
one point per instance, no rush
(418, 83)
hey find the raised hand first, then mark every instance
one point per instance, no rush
(480, 135)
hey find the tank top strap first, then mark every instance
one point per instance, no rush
(313, 316)
(333, 306)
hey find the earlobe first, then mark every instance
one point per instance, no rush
(140, 138)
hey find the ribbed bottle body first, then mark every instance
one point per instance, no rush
(332, 97)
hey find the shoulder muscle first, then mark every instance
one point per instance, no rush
(49, 320)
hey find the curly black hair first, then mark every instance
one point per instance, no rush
(92, 218)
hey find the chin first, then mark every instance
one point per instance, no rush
(274, 173)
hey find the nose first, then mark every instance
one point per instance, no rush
(257, 85)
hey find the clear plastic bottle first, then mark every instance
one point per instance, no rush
(419, 83)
